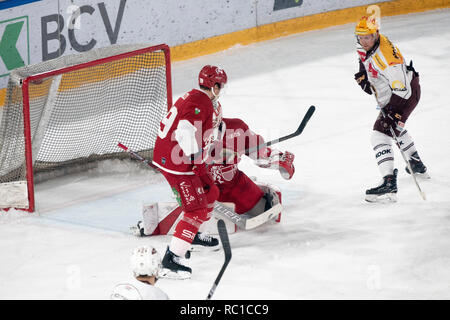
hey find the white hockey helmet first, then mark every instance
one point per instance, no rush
(125, 292)
(145, 261)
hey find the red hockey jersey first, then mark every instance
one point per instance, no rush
(184, 133)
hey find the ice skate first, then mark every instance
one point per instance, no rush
(172, 268)
(138, 229)
(417, 166)
(204, 242)
(386, 192)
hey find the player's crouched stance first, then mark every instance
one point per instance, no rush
(234, 185)
(146, 265)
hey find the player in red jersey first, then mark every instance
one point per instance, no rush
(185, 133)
(234, 185)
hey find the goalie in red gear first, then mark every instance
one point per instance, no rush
(186, 131)
(234, 185)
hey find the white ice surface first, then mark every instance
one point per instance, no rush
(330, 244)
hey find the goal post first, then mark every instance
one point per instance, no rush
(66, 114)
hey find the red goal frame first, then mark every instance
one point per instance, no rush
(26, 103)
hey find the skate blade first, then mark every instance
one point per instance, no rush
(200, 248)
(384, 198)
(423, 176)
(136, 231)
(174, 275)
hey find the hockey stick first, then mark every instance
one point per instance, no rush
(138, 156)
(246, 221)
(422, 194)
(297, 132)
(227, 251)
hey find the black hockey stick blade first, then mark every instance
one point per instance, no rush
(297, 132)
(224, 239)
(227, 251)
(305, 120)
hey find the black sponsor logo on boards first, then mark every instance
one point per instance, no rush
(286, 4)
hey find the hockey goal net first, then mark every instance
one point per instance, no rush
(70, 112)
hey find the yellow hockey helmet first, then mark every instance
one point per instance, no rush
(366, 25)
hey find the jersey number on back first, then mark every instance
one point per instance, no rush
(167, 122)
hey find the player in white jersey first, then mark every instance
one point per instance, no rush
(146, 264)
(395, 85)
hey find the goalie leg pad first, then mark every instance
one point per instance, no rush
(244, 193)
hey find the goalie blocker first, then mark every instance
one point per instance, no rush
(161, 218)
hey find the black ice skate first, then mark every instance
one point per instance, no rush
(138, 229)
(204, 242)
(386, 192)
(417, 166)
(172, 268)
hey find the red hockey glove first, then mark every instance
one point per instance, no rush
(287, 168)
(201, 171)
(284, 162)
(211, 190)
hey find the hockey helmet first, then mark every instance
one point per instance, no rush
(366, 25)
(145, 261)
(125, 292)
(210, 75)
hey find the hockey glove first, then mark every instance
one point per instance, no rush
(392, 118)
(361, 79)
(287, 168)
(284, 162)
(211, 190)
(201, 171)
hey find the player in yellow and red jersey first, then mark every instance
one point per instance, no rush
(395, 85)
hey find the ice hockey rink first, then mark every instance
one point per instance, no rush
(330, 244)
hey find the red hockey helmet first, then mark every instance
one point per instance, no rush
(210, 75)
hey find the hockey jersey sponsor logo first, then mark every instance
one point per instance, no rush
(185, 192)
(398, 86)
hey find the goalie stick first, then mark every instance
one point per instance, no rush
(227, 251)
(297, 132)
(422, 194)
(245, 221)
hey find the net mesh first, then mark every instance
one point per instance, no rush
(79, 116)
